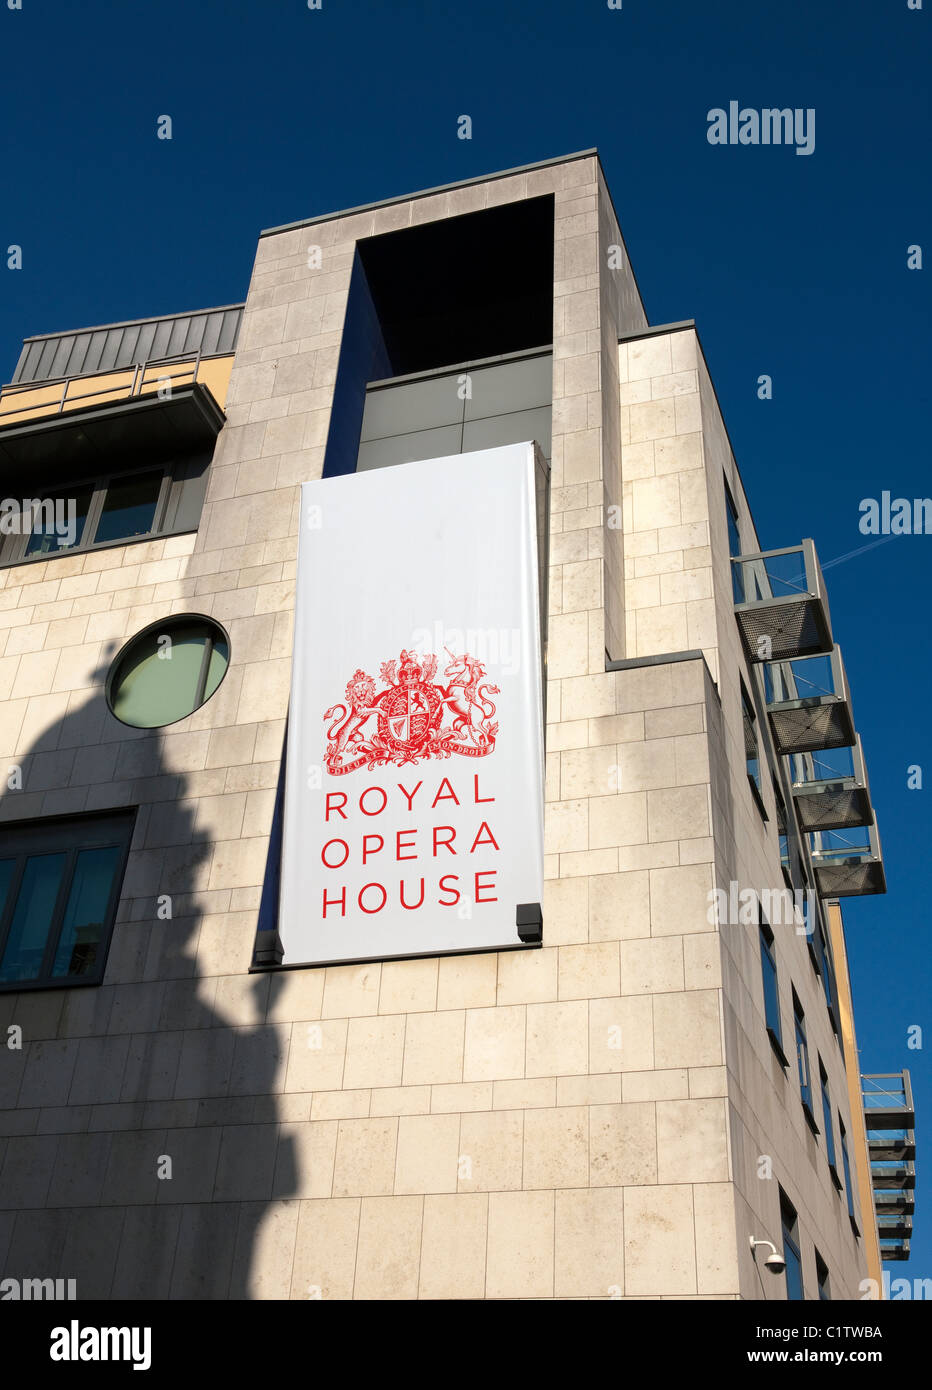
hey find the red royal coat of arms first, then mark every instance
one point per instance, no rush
(409, 715)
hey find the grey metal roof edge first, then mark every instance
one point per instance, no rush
(664, 659)
(194, 391)
(430, 192)
(660, 659)
(382, 383)
(132, 323)
(654, 329)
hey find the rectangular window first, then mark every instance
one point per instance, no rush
(59, 888)
(734, 544)
(822, 1276)
(47, 538)
(843, 1140)
(108, 510)
(751, 748)
(768, 964)
(129, 507)
(802, 1059)
(823, 954)
(783, 836)
(790, 1233)
(827, 1122)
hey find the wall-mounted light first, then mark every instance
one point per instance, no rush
(774, 1262)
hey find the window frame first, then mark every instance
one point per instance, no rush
(63, 834)
(749, 720)
(823, 1278)
(768, 957)
(846, 1165)
(828, 1127)
(783, 834)
(161, 625)
(174, 472)
(803, 1062)
(733, 526)
(789, 1231)
(820, 950)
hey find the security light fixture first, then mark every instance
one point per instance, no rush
(774, 1262)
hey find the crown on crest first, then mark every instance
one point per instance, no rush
(409, 669)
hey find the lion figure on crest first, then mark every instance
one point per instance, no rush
(361, 702)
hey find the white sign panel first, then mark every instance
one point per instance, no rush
(414, 785)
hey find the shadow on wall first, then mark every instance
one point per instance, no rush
(167, 1066)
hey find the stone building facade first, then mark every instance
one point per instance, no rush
(606, 1116)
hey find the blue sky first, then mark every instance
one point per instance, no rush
(793, 266)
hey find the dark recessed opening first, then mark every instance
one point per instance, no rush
(464, 288)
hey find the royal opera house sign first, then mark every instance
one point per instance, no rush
(414, 788)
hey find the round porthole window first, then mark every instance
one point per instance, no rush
(167, 671)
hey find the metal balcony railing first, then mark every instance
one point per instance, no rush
(890, 1202)
(894, 1226)
(830, 788)
(780, 604)
(888, 1100)
(893, 1175)
(890, 1116)
(896, 1145)
(809, 703)
(847, 864)
(50, 398)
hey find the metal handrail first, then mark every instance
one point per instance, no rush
(785, 678)
(139, 371)
(901, 1097)
(803, 767)
(822, 858)
(810, 576)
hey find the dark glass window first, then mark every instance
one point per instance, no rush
(794, 1265)
(822, 1277)
(59, 888)
(117, 507)
(32, 907)
(783, 836)
(95, 872)
(802, 1054)
(59, 522)
(129, 507)
(843, 1140)
(734, 544)
(751, 748)
(771, 992)
(827, 1116)
(826, 967)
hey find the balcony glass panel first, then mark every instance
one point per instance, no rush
(781, 608)
(847, 863)
(893, 1173)
(891, 1143)
(830, 789)
(888, 1100)
(772, 574)
(808, 703)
